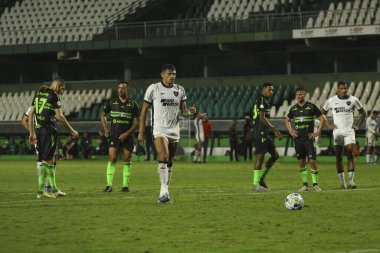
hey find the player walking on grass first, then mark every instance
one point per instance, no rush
(124, 120)
(263, 142)
(167, 100)
(303, 113)
(46, 108)
(342, 106)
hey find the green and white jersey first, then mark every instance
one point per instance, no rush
(261, 105)
(122, 115)
(303, 117)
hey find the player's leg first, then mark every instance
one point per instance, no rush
(161, 143)
(205, 148)
(349, 149)
(301, 156)
(197, 150)
(339, 150)
(369, 151)
(44, 142)
(312, 156)
(261, 149)
(54, 187)
(127, 168)
(112, 158)
(271, 148)
(172, 150)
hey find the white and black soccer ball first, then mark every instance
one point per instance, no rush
(294, 201)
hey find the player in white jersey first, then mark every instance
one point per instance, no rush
(167, 100)
(199, 136)
(318, 138)
(342, 106)
(372, 132)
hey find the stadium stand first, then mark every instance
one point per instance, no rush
(224, 102)
(39, 21)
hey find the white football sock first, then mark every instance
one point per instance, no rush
(351, 175)
(341, 178)
(163, 175)
(368, 158)
(375, 158)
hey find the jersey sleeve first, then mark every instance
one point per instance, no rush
(327, 106)
(262, 105)
(317, 112)
(56, 102)
(149, 94)
(28, 111)
(367, 122)
(290, 113)
(183, 98)
(357, 104)
(107, 107)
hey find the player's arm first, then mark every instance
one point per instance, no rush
(186, 112)
(32, 134)
(144, 110)
(135, 125)
(267, 124)
(318, 133)
(25, 122)
(62, 119)
(103, 120)
(292, 132)
(331, 126)
(363, 114)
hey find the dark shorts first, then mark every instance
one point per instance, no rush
(46, 143)
(305, 148)
(127, 144)
(263, 143)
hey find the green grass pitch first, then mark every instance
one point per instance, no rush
(213, 210)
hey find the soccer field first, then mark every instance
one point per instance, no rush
(213, 210)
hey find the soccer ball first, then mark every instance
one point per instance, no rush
(294, 201)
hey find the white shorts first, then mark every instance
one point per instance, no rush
(344, 138)
(170, 138)
(199, 137)
(371, 141)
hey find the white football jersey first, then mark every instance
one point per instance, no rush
(343, 111)
(166, 104)
(317, 123)
(198, 124)
(371, 127)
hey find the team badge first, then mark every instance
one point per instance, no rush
(176, 93)
(348, 102)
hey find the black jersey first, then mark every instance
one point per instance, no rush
(261, 105)
(304, 118)
(45, 102)
(122, 115)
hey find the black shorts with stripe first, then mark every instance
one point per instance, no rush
(305, 148)
(263, 143)
(46, 143)
(127, 144)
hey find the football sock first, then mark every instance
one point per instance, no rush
(126, 174)
(368, 158)
(51, 176)
(163, 175)
(264, 174)
(351, 175)
(42, 177)
(303, 174)
(256, 177)
(341, 178)
(169, 174)
(196, 154)
(374, 158)
(314, 177)
(38, 169)
(110, 173)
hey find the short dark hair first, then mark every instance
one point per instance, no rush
(266, 85)
(375, 112)
(168, 67)
(300, 89)
(341, 83)
(122, 82)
